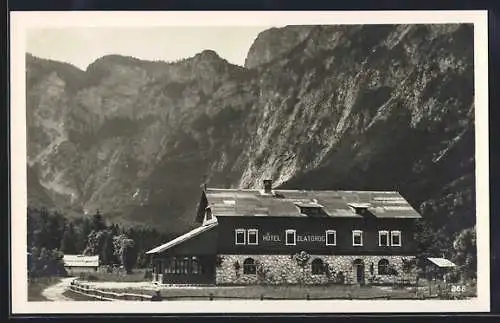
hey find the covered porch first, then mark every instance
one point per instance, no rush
(188, 259)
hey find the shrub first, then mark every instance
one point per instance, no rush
(263, 273)
(302, 258)
(148, 274)
(88, 277)
(339, 278)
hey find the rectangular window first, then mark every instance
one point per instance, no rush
(383, 238)
(185, 266)
(240, 236)
(177, 268)
(357, 238)
(290, 236)
(396, 238)
(168, 268)
(253, 236)
(331, 237)
(194, 266)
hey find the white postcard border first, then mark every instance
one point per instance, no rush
(20, 22)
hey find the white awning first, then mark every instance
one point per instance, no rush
(442, 262)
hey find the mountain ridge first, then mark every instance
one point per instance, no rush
(380, 107)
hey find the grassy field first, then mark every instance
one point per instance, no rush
(77, 296)
(268, 292)
(37, 285)
(277, 292)
(137, 275)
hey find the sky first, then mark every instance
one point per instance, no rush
(81, 46)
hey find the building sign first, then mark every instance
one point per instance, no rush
(270, 237)
(311, 238)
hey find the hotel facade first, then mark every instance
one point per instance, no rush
(266, 236)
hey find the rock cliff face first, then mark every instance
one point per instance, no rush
(325, 107)
(273, 43)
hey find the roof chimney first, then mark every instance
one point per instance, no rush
(268, 186)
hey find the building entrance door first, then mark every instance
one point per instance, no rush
(359, 269)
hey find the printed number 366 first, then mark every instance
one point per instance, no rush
(457, 288)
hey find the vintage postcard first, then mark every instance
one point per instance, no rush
(249, 162)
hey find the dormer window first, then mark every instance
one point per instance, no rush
(310, 208)
(359, 208)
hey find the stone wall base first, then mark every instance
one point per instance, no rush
(286, 269)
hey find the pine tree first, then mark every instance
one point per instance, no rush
(115, 230)
(98, 222)
(129, 255)
(84, 231)
(41, 234)
(55, 229)
(430, 242)
(68, 243)
(107, 249)
(141, 259)
(466, 251)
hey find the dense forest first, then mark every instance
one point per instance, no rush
(51, 235)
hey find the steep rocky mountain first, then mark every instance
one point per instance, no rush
(329, 107)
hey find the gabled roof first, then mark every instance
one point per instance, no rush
(287, 203)
(182, 238)
(81, 261)
(442, 262)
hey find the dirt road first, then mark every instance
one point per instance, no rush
(55, 292)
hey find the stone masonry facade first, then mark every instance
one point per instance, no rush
(286, 269)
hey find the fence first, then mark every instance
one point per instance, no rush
(107, 296)
(113, 296)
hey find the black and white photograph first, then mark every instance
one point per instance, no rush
(189, 162)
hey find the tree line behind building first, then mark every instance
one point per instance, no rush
(51, 235)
